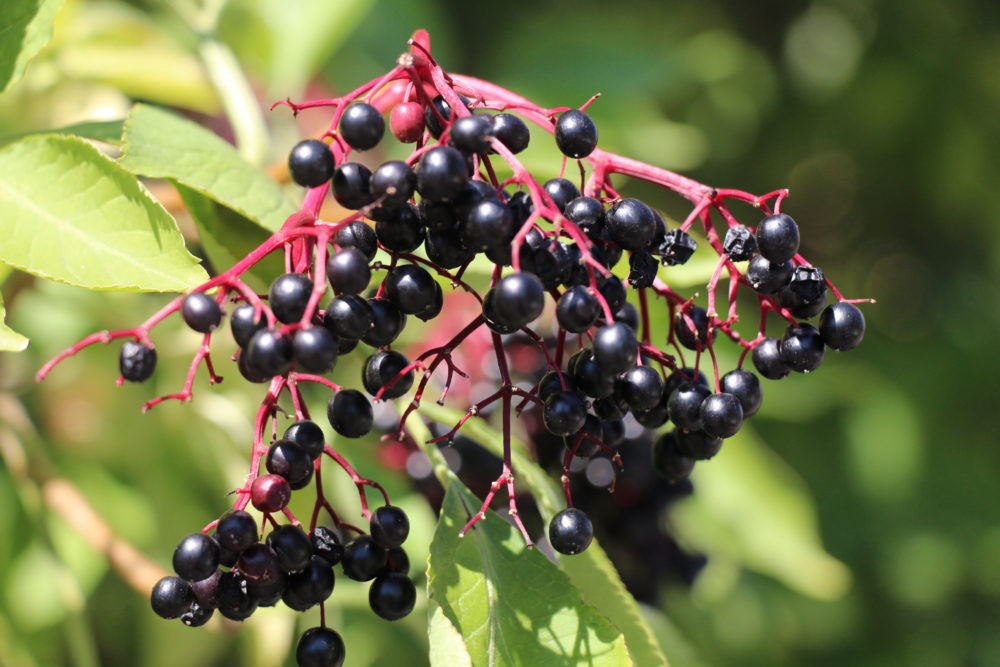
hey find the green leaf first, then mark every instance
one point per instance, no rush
(227, 237)
(10, 340)
(25, 27)
(591, 571)
(752, 510)
(160, 144)
(446, 645)
(107, 131)
(69, 213)
(511, 604)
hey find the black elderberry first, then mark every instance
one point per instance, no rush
(397, 561)
(392, 183)
(613, 432)
(613, 408)
(613, 292)
(392, 596)
(721, 415)
(387, 323)
(363, 559)
(401, 231)
(577, 309)
(631, 224)
(291, 547)
(445, 249)
(471, 134)
(348, 271)
(441, 174)
(562, 191)
(410, 288)
(492, 320)
(778, 238)
(745, 386)
(641, 387)
(576, 134)
(842, 326)
(320, 647)
(289, 296)
(552, 382)
(235, 531)
(684, 406)
(642, 270)
(171, 597)
(314, 349)
(350, 413)
(389, 526)
(615, 348)
(136, 361)
(258, 564)
(269, 354)
(313, 584)
(351, 185)
(587, 213)
(348, 317)
(676, 248)
(802, 348)
(235, 601)
(511, 131)
(697, 444)
(691, 328)
(311, 163)
(206, 591)
(740, 243)
(442, 109)
(307, 435)
(766, 277)
(362, 126)
(767, 360)
(668, 461)
(384, 367)
(244, 323)
(201, 312)
(289, 460)
(196, 615)
(326, 545)
(564, 413)
(487, 224)
(589, 377)
(519, 298)
(358, 235)
(628, 315)
(196, 557)
(570, 531)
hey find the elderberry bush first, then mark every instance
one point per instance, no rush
(575, 271)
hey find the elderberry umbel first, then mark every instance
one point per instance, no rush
(567, 255)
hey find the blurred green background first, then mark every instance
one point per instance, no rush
(882, 119)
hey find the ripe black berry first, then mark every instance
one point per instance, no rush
(348, 271)
(588, 213)
(362, 126)
(201, 312)
(401, 230)
(387, 323)
(778, 238)
(171, 597)
(348, 317)
(235, 531)
(397, 561)
(289, 296)
(363, 559)
(641, 387)
(441, 173)
(389, 526)
(745, 386)
(589, 377)
(291, 546)
(196, 557)
(269, 354)
(562, 191)
(721, 415)
(615, 348)
(564, 413)
(244, 324)
(519, 298)
(487, 224)
(392, 596)
(684, 406)
(313, 584)
(842, 326)
(511, 131)
(350, 413)
(384, 367)
(570, 531)
(631, 224)
(577, 309)
(393, 183)
(472, 134)
(439, 107)
(289, 460)
(358, 235)
(235, 601)
(767, 359)
(314, 349)
(411, 289)
(802, 348)
(311, 163)
(320, 647)
(351, 183)
(258, 564)
(576, 134)
(691, 328)
(196, 615)
(766, 277)
(308, 435)
(136, 361)
(668, 461)
(697, 444)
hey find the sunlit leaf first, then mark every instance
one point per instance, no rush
(447, 647)
(107, 131)
(38, 590)
(10, 340)
(160, 144)
(511, 604)
(25, 28)
(71, 214)
(753, 510)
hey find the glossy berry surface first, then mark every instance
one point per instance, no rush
(308, 435)
(721, 415)
(842, 326)
(289, 295)
(320, 647)
(392, 596)
(171, 597)
(387, 323)
(289, 460)
(351, 185)
(577, 309)
(136, 361)
(519, 298)
(570, 531)
(269, 353)
(347, 270)
(562, 191)
(441, 173)
(196, 557)
(778, 238)
(235, 531)
(311, 163)
(631, 224)
(576, 134)
(382, 373)
(564, 413)
(291, 546)
(314, 350)
(472, 134)
(684, 406)
(363, 559)
(244, 322)
(615, 348)
(511, 131)
(270, 493)
(362, 126)
(745, 386)
(641, 387)
(350, 413)
(802, 348)
(201, 312)
(348, 317)
(389, 526)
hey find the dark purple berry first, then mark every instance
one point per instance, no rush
(244, 323)
(348, 317)
(562, 191)
(802, 348)
(363, 559)
(564, 413)
(235, 531)
(289, 460)
(767, 359)
(392, 596)
(270, 493)
(691, 328)
(136, 361)
(441, 174)
(358, 235)
(269, 354)
(745, 386)
(615, 348)
(393, 183)
(577, 309)
(778, 238)
(668, 461)
(201, 312)
(348, 271)
(766, 277)
(697, 444)
(576, 134)
(171, 597)
(383, 368)
(511, 131)
(721, 415)
(308, 435)
(315, 350)
(519, 298)
(641, 387)
(351, 185)
(842, 326)
(291, 546)
(320, 647)
(362, 126)
(311, 163)
(570, 531)
(350, 413)
(684, 406)
(472, 134)
(326, 545)
(196, 557)
(631, 224)
(387, 323)
(389, 526)
(289, 296)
